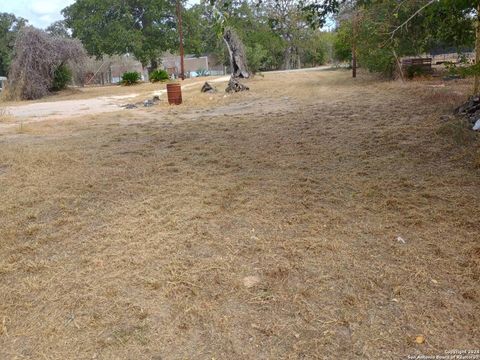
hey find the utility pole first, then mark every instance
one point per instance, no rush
(354, 43)
(180, 33)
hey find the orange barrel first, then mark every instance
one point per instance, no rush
(174, 93)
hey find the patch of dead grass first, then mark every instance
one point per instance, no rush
(5, 116)
(130, 235)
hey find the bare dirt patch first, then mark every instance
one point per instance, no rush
(87, 101)
(207, 231)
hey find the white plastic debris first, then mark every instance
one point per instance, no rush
(401, 240)
(477, 125)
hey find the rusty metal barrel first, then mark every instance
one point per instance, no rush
(174, 93)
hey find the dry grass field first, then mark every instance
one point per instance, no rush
(263, 225)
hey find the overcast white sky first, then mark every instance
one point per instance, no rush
(39, 13)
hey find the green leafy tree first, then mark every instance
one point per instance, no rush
(256, 56)
(315, 49)
(10, 25)
(58, 28)
(252, 25)
(145, 28)
(199, 39)
(342, 44)
(381, 31)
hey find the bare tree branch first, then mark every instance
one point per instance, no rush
(392, 34)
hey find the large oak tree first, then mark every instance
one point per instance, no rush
(144, 28)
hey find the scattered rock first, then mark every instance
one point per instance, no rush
(207, 88)
(146, 103)
(250, 281)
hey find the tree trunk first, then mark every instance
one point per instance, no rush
(399, 65)
(238, 59)
(354, 59)
(354, 45)
(291, 58)
(476, 84)
(286, 59)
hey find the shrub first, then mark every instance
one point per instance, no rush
(377, 60)
(159, 75)
(415, 70)
(463, 69)
(61, 78)
(203, 72)
(130, 78)
(256, 57)
(342, 46)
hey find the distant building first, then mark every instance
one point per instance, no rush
(194, 66)
(111, 68)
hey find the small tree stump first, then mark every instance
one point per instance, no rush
(235, 86)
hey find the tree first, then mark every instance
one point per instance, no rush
(40, 62)
(58, 28)
(315, 48)
(221, 11)
(287, 18)
(455, 23)
(10, 25)
(236, 50)
(384, 30)
(265, 48)
(199, 39)
(145, 28)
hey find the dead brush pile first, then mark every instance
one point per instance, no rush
(37, 56)
(471, 111)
